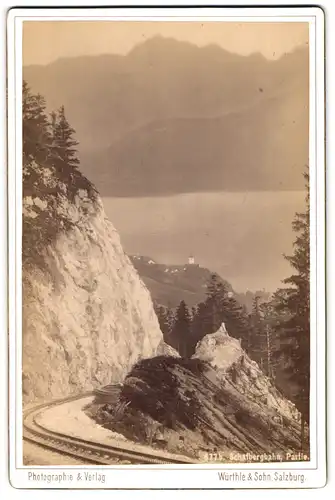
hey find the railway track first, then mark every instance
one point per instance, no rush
(108, 394)
(88, 451)
(110, 389)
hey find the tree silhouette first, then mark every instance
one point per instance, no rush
(294, 307)
(36, 136)
(181, 331)
(63, 139)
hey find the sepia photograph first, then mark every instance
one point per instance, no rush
(166, 247)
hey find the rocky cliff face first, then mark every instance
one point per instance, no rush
(232, 365)
(87, 317)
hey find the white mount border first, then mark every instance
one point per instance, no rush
(194, 476)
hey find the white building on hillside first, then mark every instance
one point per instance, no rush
(191, 260)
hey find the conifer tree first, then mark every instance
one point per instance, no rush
(170, 319)
(194, 311)
(201, 324)
(53, 124)
(271, 320)
(181, 331)
(63, 140)
(293, 305)
(237, 322)
(257, 344)
(222, 307)
(40, 153)
(35, 126)
(164, 319)
(216, 303)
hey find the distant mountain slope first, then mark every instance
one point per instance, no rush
(170, 109)
(169, 284)
(109, 95)
(265, 147)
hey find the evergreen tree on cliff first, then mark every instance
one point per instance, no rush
(64, 143)
(35, 127)
(181, 331)
(294, 306)
(42, 152)
(65, 155)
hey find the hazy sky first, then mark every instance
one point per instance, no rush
(46, 41)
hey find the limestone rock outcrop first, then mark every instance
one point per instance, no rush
(218, 400)
(87, 316)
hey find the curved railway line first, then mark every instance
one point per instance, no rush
(90, 452)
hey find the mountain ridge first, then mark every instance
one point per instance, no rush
(253, 113)
(214, 47)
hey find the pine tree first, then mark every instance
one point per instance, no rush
(164, 318)
(194, 311)
(53, 125)
(64, 143)
(222, 307)
(257, 344)
(216, 303)
(170, 318)
(35, 127)
(270, 320)
(181, 331)
(237, 322)
(294, 307)
(40, 155)
(201, 324)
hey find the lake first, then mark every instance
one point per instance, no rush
(243, 235)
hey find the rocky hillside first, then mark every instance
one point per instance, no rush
(220, 399)
(225, 354)
(87, 317)
(169, 284)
